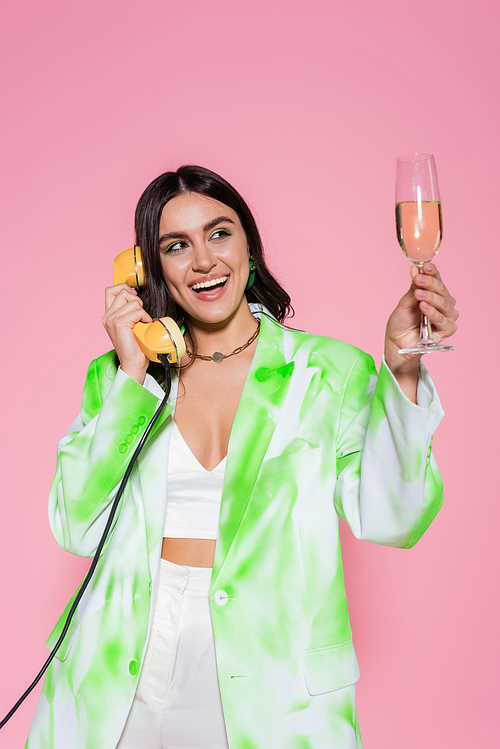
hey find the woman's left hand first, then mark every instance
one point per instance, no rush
(428, 296)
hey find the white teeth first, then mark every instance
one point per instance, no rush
(208, 284)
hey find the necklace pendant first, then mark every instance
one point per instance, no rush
(217, 356)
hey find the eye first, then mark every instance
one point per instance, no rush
(220, 234)
(175, 246)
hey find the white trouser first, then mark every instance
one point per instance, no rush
(177, 703)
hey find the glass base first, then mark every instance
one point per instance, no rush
(426, 347)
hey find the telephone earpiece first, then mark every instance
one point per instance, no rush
(128, 268)
(162, 336)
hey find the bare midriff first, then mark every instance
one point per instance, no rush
(189, 552)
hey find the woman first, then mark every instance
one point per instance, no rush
(310, 435)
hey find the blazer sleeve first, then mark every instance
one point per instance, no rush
(388, 485)
(92, 458)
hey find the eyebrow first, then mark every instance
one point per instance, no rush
(211, 225)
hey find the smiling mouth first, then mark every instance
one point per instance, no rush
(215, 283)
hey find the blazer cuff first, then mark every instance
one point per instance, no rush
(427, 397)
(149, 383)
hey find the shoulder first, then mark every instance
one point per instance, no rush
(326, 353)
(314, 350)
(100, 376)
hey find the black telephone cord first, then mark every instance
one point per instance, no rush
(168, 384)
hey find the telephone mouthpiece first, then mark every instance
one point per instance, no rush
(160, 337)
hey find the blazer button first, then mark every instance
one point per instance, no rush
(133, 668)
(221, 597)
(141, 420)
(123, 448)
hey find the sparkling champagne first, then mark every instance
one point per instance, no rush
(419, 227)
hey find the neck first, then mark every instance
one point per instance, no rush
(224, 336)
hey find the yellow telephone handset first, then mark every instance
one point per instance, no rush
(160, 337)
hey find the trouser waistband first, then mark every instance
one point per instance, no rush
(181, 578)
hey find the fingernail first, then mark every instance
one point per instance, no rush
(420, 278)
(420, 293)
(425, 305)
(429, 267)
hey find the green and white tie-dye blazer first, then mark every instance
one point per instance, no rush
(317, 436)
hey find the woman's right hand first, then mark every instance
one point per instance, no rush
(123, 310)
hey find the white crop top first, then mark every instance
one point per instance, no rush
(193, 495)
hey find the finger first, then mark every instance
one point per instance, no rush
(117, 296)
(125, 319)
(444, 304)
(432, 290)
(430, 269)
(131, 306)
(118, 287)
(112, 291)
(118, 310)
(130, 317)
(443, 324)
(433, 284)
(428, 277)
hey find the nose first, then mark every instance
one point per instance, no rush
(203, 259)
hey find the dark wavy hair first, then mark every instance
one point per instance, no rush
(158, 301)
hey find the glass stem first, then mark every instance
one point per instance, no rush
(425, 330)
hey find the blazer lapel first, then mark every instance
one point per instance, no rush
(261, 402)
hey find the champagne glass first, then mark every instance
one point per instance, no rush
(419, 226)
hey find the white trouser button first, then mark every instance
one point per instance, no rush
(220, 597)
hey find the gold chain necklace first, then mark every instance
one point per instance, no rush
(218, 357)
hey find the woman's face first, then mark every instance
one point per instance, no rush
(204, 255)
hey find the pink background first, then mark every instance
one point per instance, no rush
(303, 106)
